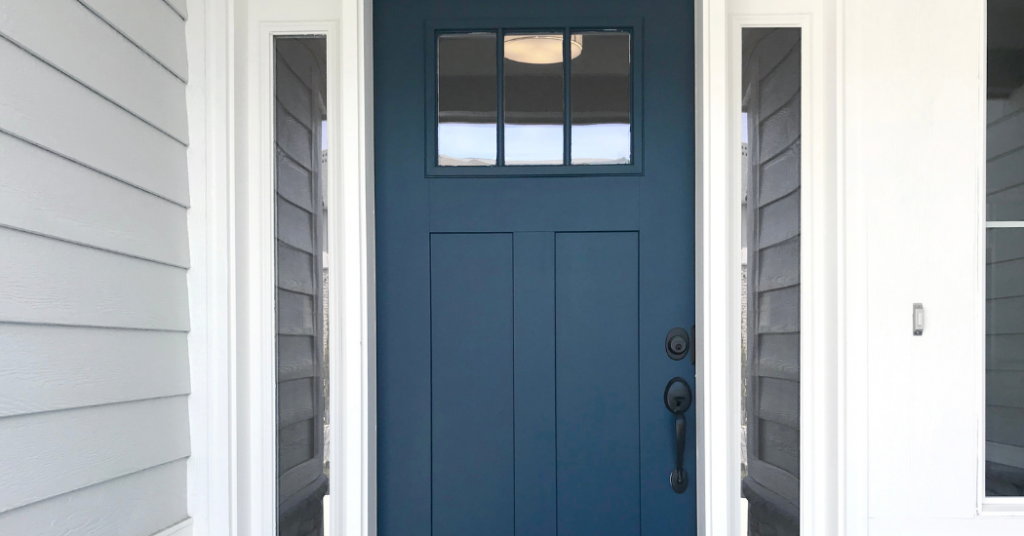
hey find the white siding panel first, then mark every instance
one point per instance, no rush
(53, 282)
(136, 505)
(44, 106)
(47, 368)
(151, 24)
(94, 372)
(76, 41)
(179, 6)
(47, 194)
(48, 454)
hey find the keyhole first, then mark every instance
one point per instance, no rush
(677, 343)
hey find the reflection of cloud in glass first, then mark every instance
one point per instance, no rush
(600, 144)
(466, 144)
(540, 144)
(533, 144)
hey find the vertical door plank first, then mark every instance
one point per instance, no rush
(471, 384)
(536, 512)
(597, 330)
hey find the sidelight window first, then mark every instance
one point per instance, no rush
(1004, 259)
(532, 102)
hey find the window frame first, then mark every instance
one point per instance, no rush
(567, 26)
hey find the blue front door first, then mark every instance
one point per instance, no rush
(526, 289)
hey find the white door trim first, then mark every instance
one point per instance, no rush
(232, 474)
(231, 222)
(719, 94)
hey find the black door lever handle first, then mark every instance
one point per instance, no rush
(678, 397)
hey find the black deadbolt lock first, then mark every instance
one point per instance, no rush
(677, 343)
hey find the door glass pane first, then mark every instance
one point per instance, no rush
(601, 99)
(300, 276)
(534, 99)
(467, 99)
(770, 274)
(1004, 259)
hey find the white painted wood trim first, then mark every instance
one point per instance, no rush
(718, 484)
(347, 233)
(353, 442)
(852, 305)
(1011, 507)
(232, 470)
(212, 281)
(719, 91)
(180, 529)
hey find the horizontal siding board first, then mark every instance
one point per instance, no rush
(779, 356)
(179, 6)
(1004, 425)
(53, 282)
(997, 109)
(294, 314)
(294, 270)
(299, 477)
(112, 66)
(1005, 388)
(139, 504)
(1004, 245)
(52, 453)
(50, 195)
(780, 84)
(317, 45)
(779, 311)
(774, 48)
(292, 94)
(294, 401)
(46, 107)
(1008, 455)
(1005, 316)
(294, 357)
(779, 402)
(779, 221)
(294, 226)
(1003, 279)
(1007, 204)
(779, 266)
(780, 446)
(293, 138)
(1003, 352)
(152, 25)
(1005, 136)
(780, 176)
(766, 49)
(294, 445)
(780, 130)
(302, 61)
(775, 479)
(47, 368)
(1004, 172)
(293, 181)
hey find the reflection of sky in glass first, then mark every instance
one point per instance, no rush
(601, 143)
(467, 140)
(534, 143)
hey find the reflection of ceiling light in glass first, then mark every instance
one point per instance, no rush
(541, 49)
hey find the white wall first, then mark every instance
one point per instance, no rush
(94, 375)
(913, 155)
